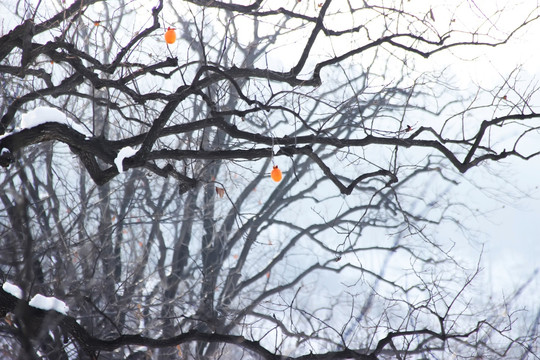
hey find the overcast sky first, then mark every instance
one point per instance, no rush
(511, 229)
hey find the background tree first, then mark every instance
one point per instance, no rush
(144, 200)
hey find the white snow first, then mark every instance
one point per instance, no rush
(275, 149)
(6, 134)
(13, 290)
(125, 152)
(49, 303)
(45, 114)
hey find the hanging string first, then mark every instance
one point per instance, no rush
(272, 157)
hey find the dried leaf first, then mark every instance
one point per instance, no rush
(8, 319)
(220, 191)
(138, 312)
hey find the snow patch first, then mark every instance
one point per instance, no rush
(45, 114)
(275, 149)
(6, 134)
(13, 290)
(125, 152)
(49, 303)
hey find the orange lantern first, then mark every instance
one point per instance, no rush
(170, 36)
(276, 174)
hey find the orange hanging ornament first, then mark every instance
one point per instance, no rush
(170, 36)
(276, 174)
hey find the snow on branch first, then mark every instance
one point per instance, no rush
(44, 114)
(125, 152)
(13, 290)
(49, 303)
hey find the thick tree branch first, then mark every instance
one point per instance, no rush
(107, 150)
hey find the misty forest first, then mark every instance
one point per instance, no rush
(257, 179)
